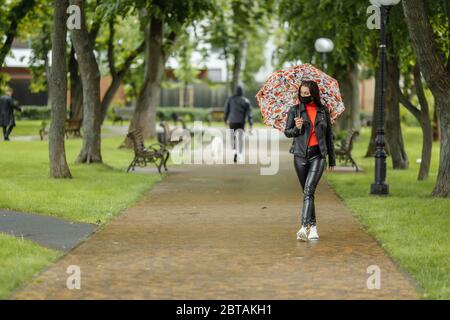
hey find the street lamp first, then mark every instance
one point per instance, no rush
(380, 187)
(324, 46)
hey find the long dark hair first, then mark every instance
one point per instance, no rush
(313, 89)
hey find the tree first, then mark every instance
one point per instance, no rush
(186, 73)
(117, 72)
(162, 21)
(308, 20)
(233, 27)
(58, 93)
(422, 115)
(90, 78)
(435, 66)
(393, 129)
(14, 17)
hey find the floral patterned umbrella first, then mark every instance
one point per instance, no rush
(280, 92)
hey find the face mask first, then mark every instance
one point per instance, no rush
(306, 100)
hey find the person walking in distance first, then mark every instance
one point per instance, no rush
(7, 106)
(237, 109)
(309, 124)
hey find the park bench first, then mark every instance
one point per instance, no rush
(73, 127)
(216, 114)
(43, 131)
(155, 153)
(165, 134)
(344, 149)
(122, 114)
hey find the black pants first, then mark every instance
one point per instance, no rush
(7, 132)
(309, 171)
(235, 126)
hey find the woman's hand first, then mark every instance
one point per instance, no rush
(331, 168)
(298, 122)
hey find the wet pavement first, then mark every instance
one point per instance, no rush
(227, 232)
(49, 232)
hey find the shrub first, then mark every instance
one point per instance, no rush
(35, 113)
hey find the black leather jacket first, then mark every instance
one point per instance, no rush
(323, 130)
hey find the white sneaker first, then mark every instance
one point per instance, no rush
(313, 235)
(240, 158)
(302, 234)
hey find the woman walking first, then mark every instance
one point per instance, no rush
(309, 124)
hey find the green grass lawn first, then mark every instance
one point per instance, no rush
(27, 127)
(19, 261)
(410, 224)
(95, 194)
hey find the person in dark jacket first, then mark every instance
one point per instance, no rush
(309, 124)
(7, 106)
(237, 108)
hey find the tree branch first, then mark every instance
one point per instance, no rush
(15, 16)
(111, 59)
(95, 27)
(423, 40)
(130, 58)
(419, 89)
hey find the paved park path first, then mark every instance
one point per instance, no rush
(226, 232)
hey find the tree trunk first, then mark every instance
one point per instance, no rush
(90, 78)
(144, 117)
(435, 125)
(394, 137)
(442, 187)
(437, 77)
(423, 118)
(117, 75)
(109, 96)
(343, 123)
(58, 93)
(239, 63)
(349, 84)
(355, 116)
(76, 88)
(425, 123)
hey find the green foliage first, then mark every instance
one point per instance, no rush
(4, 79)
(344, 22)
(186, 72)
(238, 21)
(35, 113)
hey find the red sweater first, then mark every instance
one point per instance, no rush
(312, 110)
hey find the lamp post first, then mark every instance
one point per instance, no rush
(380, 187)
(324, 46)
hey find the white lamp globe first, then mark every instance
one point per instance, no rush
(324, 45)
(380, 3)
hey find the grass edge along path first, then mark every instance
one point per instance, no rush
(96, 194)
(409, 224)
(20, 260)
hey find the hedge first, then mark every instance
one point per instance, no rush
(163, 113)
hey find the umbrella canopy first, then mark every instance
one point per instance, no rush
(280, 92)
